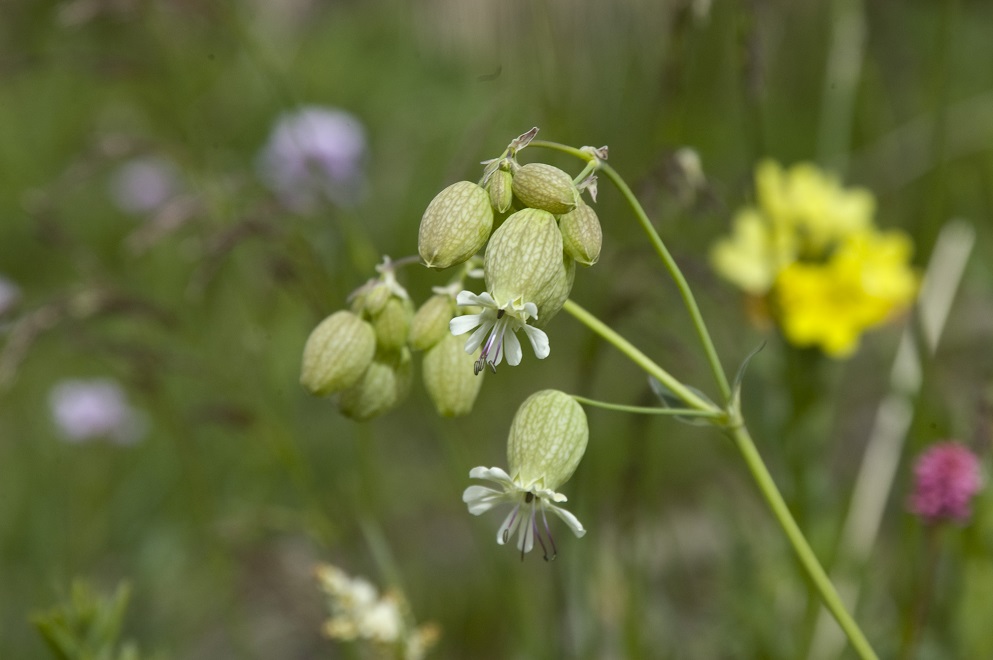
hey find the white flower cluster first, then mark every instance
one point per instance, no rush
(359, 613)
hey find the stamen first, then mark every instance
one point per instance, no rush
(551, 539)
(537, 534)
(484, 355)
(510, 525)
(529, 532)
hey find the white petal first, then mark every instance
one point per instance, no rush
(569, 519)
(481, 499)
(500, 330)
(512, 348)
(539, 341)
(492, 474)
(467, 299)
(525, 540)
(531, 310)
(463, 324)
(510, 523)
(478, 337)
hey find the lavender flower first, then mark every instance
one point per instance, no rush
(144, 185)
(946, 477)
(89, 409)
(314, 154)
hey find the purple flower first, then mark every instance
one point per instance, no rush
(314, 154)
(946, 477)
(89, 409)
(144, 185)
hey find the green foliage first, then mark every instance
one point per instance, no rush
(243, 481)
(87, 626)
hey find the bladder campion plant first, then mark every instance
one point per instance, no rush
(362, 356)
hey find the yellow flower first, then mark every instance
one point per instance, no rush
(866, 281)
(811, 205)
(810, 251)
(754, 253)
(801, 213)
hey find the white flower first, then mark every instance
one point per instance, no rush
(530, 501)
(497, 325)
(359, 613)
(88, 409)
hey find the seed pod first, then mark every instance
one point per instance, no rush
(545, 187)
(550, 299)
(384, 385)
(455, 225)
(392, 324)
(582, 236)
(501, 191)
(337, 353)
(547, 439)
(449, 377)
(373, 300)
(430, 323)
(523, 257)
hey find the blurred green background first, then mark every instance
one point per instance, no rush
(243, 482)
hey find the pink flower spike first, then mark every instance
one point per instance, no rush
(946, 477)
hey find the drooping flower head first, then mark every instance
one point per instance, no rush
(946, 478)
(98, 408)
(314, 154)
(810, 249)
(547, 441)
(496, 330)
(528, 278)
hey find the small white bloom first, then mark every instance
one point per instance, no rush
(529, 501)
(359, 613)
(498, 325)
(88, 409)
(382, 622)
(389, 278)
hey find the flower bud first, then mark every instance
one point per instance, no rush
(524, 256)
(430, 323)
(392, 324)
(383, 386)
(455, 225)
(500, 188)
(545, 187)
(337, 353)
(449, 377)
(372, 301)
(581, 234)
(547, 439)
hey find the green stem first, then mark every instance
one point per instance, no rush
(730, 421)
(829, 595)
(624, 346)
(670, 264)
(641, 410)
(588, 170)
